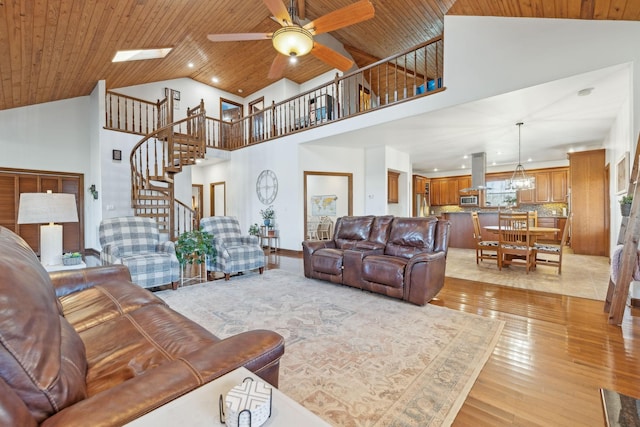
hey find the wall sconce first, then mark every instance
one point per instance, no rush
(93, 191)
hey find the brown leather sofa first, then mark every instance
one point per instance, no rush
(89, 348)
(403, 258)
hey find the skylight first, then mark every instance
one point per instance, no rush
(140, 54)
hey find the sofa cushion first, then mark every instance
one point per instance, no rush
(41, 356)
(328, 261)
(383, 269)
(128, 346)
(352, 229)
(104, 302)
(411, 236)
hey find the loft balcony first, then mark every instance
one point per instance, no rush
(415, 73)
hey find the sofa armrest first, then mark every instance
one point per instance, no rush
(110, 254)
(308, 248)
(69, 281)
(424, 277)
(168, 247)
(135, 397)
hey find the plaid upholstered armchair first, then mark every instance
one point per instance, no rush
(135, 242)
(236, 252)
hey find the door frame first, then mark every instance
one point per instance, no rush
(349, 177)
(212, 198)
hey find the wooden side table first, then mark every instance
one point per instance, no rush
(61, 267)
(271, 236)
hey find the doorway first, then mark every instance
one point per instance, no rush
(218, 197)
(327, 196)
(231, 128)
(197, 204)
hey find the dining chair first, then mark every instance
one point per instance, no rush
(514, 240)
(553, 253)
(324, 229)
(485, 249)
(533, 218)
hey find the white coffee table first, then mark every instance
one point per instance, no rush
(201, 407)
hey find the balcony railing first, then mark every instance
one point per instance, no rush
(414, 73)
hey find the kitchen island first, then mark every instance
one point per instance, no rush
(461, 234)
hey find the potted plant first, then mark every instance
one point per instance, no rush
(510, 200)
(268, 215)
(625, 205)
(254, 230)
(193, 246)
(71, 258)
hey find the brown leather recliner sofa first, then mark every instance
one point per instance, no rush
(399, 257)
(89, 348)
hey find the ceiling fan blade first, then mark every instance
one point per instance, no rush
(234, 37)
(277, 66)
(279, 10)
(331, 57)
(349, 15)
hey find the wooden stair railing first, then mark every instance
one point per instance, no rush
(156, 159)
(617, 293)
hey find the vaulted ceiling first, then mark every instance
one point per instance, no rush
(58, 49)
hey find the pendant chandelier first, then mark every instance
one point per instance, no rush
(520, 180)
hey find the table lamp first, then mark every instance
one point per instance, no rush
(40, 208)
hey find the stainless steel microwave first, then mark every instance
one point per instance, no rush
(468, 200)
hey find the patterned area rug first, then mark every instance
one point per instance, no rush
(352, 357)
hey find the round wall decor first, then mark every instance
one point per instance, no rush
(267, 186)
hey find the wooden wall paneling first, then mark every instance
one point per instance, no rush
(30, 181)
(8, 207)
(29, 232)
(72, 232)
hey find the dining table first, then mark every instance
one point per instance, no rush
(534, 232)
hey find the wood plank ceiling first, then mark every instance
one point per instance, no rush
(59, 49)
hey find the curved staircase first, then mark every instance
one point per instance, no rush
(155, 161)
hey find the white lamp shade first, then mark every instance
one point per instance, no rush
(40, 208)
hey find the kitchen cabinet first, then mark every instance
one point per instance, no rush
(553, 222)
(559, 186)
(589, 229)
(551, 187)
(393, 179)
(446, 191)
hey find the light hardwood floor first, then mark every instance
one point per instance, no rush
(554, 354)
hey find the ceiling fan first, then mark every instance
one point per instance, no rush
(294, 39)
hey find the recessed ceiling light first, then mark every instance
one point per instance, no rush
(240, 91)
(493, 164)
(463, 166)
(190, 64)
(465, 157)
(435, 169)
(214, 79)
(140, 54)
(585, 91)
(529, 159)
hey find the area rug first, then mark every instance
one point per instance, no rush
(352, 357)
(582, 276)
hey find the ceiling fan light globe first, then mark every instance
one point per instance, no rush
(292, 41)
